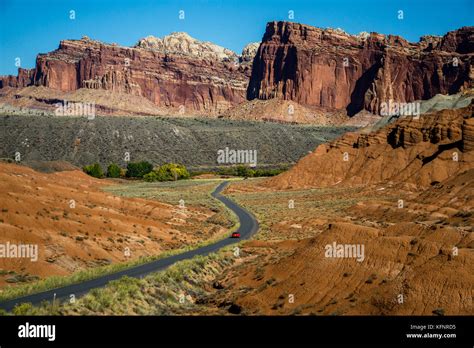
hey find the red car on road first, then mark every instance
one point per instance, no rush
(235, 235)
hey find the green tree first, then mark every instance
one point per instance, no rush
(94, 170)
(138, 169)
(170, 172)
(113, 171)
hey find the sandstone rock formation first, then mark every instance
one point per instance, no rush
(468, 134)
(174, 72)
(315, 68)
(332, 69)
(24, 78)
(285, 111)
(420, 151)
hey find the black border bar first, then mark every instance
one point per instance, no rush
(218, 330)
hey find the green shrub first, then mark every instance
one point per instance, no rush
(245, 171)
(268, 172)
(113, 171)
(162, 174)
(227, 171)
(138, 169)
(151, 176)
(94, 170)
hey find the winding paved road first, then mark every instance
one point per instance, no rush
(248, 227)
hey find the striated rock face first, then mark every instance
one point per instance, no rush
(176, 71)
(468, 134)
(445, 130)
(327, 69)
(332, 69)
(24, 78)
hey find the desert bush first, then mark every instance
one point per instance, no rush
(113, 171)
(94, 170)
(125, 288)
(221, 219)
(138, 169)
(23, 309)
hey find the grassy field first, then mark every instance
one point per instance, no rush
(195, 192)
(279, 221)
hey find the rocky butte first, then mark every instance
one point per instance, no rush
(332, 69)
(173, 71)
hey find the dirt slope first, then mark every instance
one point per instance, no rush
(418, 260)
(405, 259)
(37, 208)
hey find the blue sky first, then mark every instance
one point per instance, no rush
(28, 27)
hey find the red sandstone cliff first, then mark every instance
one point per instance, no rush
(332, 69)
(310, 66)
(171, 72)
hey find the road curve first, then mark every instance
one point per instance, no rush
(248, 227)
